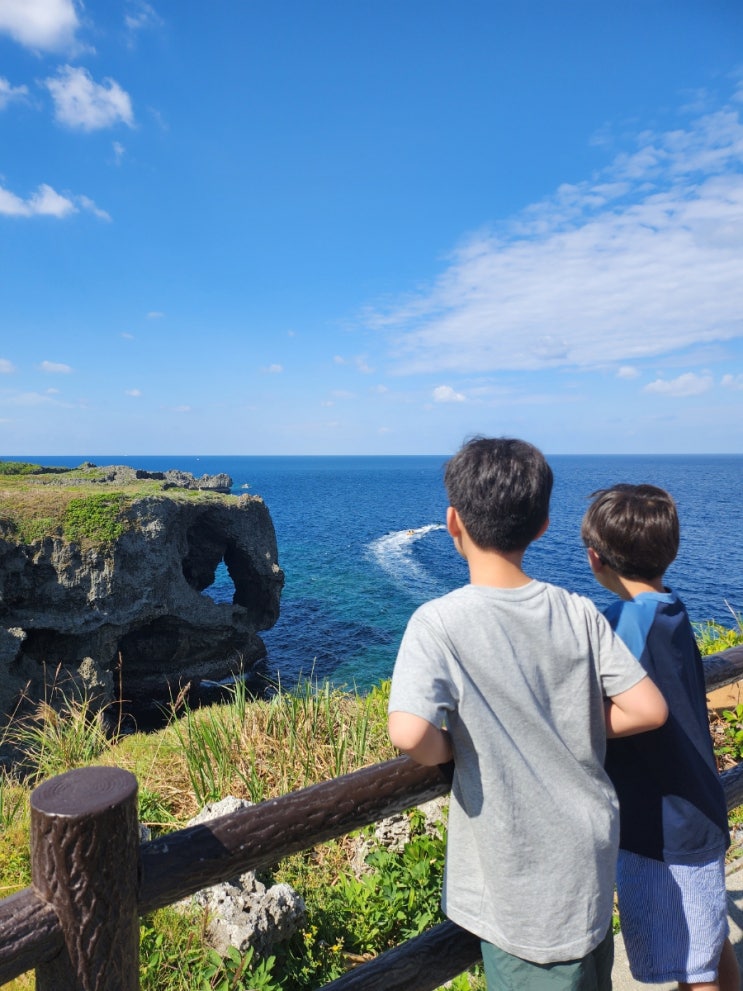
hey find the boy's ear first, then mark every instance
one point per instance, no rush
(594, 559)
(453, 523)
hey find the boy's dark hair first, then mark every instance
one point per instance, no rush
(634, 529)
(501, 489)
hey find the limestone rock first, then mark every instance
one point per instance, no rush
(130, 619)
(244, 912)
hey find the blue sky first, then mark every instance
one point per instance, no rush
(342, 227)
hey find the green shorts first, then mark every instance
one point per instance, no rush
(505, 972)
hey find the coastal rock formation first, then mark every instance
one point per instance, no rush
(128, 619)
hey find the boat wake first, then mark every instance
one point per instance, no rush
(395, 554)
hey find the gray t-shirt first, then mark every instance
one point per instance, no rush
(518, 676)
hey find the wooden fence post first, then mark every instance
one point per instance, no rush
(85, 863)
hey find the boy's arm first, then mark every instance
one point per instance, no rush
(419, 739)
(637, 710)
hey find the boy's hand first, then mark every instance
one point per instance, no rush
(419, 739)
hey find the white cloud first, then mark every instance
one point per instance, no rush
(55, 368)
(6, 367)
(688, 384)
(9, 93)
(31, 399)
(627, 372)
(641, 261)
(44, 202)
(135, 393)
(119, 151)
(43, 25)
(445, 394)
(733, 382)
(141, 15)
(339, 359)
(155, 315)
(47, 202)
(180, 409)
(274, 369)
(87, 204)
(79, 102)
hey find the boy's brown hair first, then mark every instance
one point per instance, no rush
(634, 529)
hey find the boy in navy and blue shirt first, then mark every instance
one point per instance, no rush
(673, 815)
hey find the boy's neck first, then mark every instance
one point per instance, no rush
(497, 569)
(630, 588)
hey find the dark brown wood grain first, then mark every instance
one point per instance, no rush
(84, 863)
(420, 964)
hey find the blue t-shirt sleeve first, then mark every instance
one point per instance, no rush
(632, 621)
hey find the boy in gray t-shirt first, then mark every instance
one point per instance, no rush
(528, 680)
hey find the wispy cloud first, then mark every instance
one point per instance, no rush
(47, 202)
(10, 93)
(79, 102)
(445, 394)
(44, 202)
(640, 261)
(41, 25)
(33, 399)
(733, 382)
(627, 372)
(274, 369)
(6, 367)
(140, 16)
(55, 368)
(688, 384)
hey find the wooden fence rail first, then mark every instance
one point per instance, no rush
(78, 924)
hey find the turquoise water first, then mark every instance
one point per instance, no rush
(362, 543)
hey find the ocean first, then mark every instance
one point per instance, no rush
(362, 543)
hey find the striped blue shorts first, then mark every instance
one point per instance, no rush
(673, 917)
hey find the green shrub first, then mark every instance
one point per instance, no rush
(18, 468)
(95, 518)
(713, 637)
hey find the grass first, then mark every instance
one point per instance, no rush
(255, 750)
(70, 503)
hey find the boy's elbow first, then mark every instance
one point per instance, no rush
(655, 713)
(661, 712)
(404, 730)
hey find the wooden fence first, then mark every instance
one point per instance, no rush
(78, 924)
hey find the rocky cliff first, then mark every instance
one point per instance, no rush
(127, 617)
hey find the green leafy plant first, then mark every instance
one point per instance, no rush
(712, 637)
(174, 957)
(95, 518)
(733, 741)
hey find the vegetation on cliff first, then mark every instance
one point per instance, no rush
(38, 502)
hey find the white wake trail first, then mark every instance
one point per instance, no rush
(394, 554)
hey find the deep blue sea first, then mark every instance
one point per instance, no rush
(362, 543)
